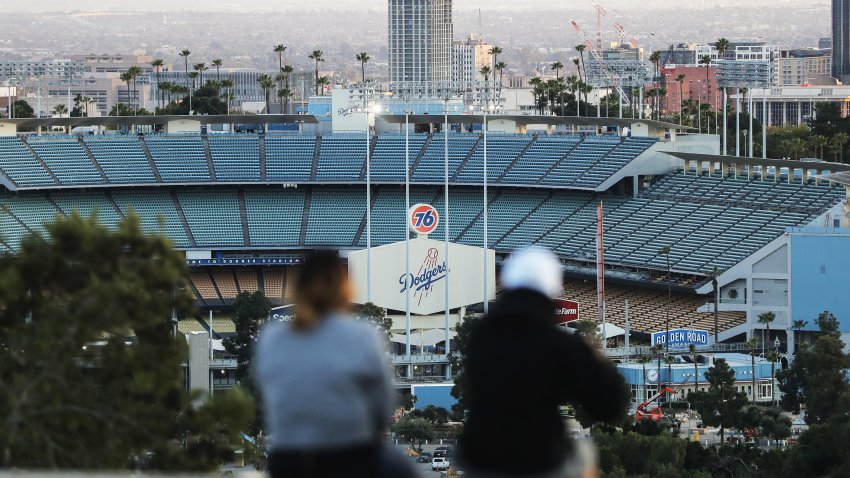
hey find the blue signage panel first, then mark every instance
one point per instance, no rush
(251, 261)
(681, 338)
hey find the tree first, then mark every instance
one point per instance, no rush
(201, 68)
(715, 292)
(185, 55)
(766, 318)
(766, 421)
(752, 344)
(693, 351)
(557, 66)
(818, 143)
(797, 326)
(773, 356)
(495, 52)
(217, 64)
(643, 360)
(817, 377)
(435, 415)
(655, 59)
(204, 101)
(681, 79)
(60, 110)
(415, 430)
(316, 56)
(377, 316)
(363, 58)
(227, 84)
(837, 142)
(500, 67)
(90, 369)
(485, 72)
(23, 109)
(582, 72)
(279, 49)
(134, 72)
(266, 84)
(706, 60)
(461, 343)
(250, 310)
(157, 65)
(323, 82)
(823, 449)
(721, 404)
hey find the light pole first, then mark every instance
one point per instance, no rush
(666, 251)
(487, 109)
(407, 235)
(446, 222)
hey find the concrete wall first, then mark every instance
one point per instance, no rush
(820, 277)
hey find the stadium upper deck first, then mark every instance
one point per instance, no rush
(551, 161)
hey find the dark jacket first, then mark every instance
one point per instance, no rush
(519, 368)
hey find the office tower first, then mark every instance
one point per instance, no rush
(420, 40)
(841, 39)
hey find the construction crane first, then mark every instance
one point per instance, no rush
(632, 41)
(597, 55)
(656, 414)
(600, 12)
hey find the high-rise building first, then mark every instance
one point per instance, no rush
(420, 40)
(470, 56)
(841, 39)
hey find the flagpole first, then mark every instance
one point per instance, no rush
(486, 304)
(446, 203)
(407, 234)
(368, 211)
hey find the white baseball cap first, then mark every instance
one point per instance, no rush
(533, 268)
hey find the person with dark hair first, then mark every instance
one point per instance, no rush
(519, 367)
(324, 381)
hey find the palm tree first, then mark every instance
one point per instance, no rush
(60, 110)
(715, 273)
(279, 49)
(267, 84)
(681, 79)
(837, 142)
(706, 60)
(485, 71)
(323, 82)
(557, 66)
(134, 72)
(316, 56)
(217, 64)
(693, 350)
(766, 318)
(752, 344)
(363, 58)
(655, 59)
(643, 360)
(284, 95)
(798, 325)
(495, 51)
(227, 84)
(818, 143)
(537, 92)
(185, 54)
(201, 68)
(86, 101)
(126, 77)
(500, 67)
(773, 356)
(722, 45)
(580, 49)
(287, 73)
(157, 65)
(193, 75)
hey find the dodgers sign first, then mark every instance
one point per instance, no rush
(423, 219)
(429, 273)
(681, 338)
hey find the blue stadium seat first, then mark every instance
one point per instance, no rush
(67, 159)
(20, 165)
(121, 157)
(236, 157)
(289, 158)
(179, 158)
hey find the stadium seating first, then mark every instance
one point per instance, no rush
(388, 158)
(121, 158)
(341, 158)
(67, 159)
(213, 217)
(289, 158)
(235, 157)
(274, 217)
(647, 307)
(203, 283)
(87, 205)
(221, 284)
(571, 161)
(273, 282)
(179, 158)
(156, 211)
(341, 209)
(18, 163)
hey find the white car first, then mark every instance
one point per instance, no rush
(439, 464)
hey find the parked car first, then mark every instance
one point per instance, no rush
(424, 457)
(439, 464)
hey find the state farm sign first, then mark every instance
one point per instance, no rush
(565, 311)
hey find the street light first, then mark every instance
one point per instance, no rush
(371, 109)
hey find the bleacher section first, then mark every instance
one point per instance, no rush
(67, 159)
(701, 235)
(556, 161)
(647, 307)
(289, 158)
(121, 158)
(236, 157)
(220, 285)
(179, 158)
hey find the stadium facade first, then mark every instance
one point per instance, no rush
(246, 207)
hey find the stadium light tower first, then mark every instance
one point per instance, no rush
(446, 220)
(370, 111)
(407, 235)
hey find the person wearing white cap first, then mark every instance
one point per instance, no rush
(520, 367)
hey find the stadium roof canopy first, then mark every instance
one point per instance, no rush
(157, 120)
(538, 119)
(834, 168)
(841, 177)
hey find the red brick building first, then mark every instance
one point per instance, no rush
(693, 87)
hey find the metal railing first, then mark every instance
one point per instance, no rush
(646, 350)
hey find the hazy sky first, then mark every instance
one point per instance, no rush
(242, 5)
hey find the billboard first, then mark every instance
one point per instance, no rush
(285, 313)
(428, 273)
(566, 311)
(681, 338)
